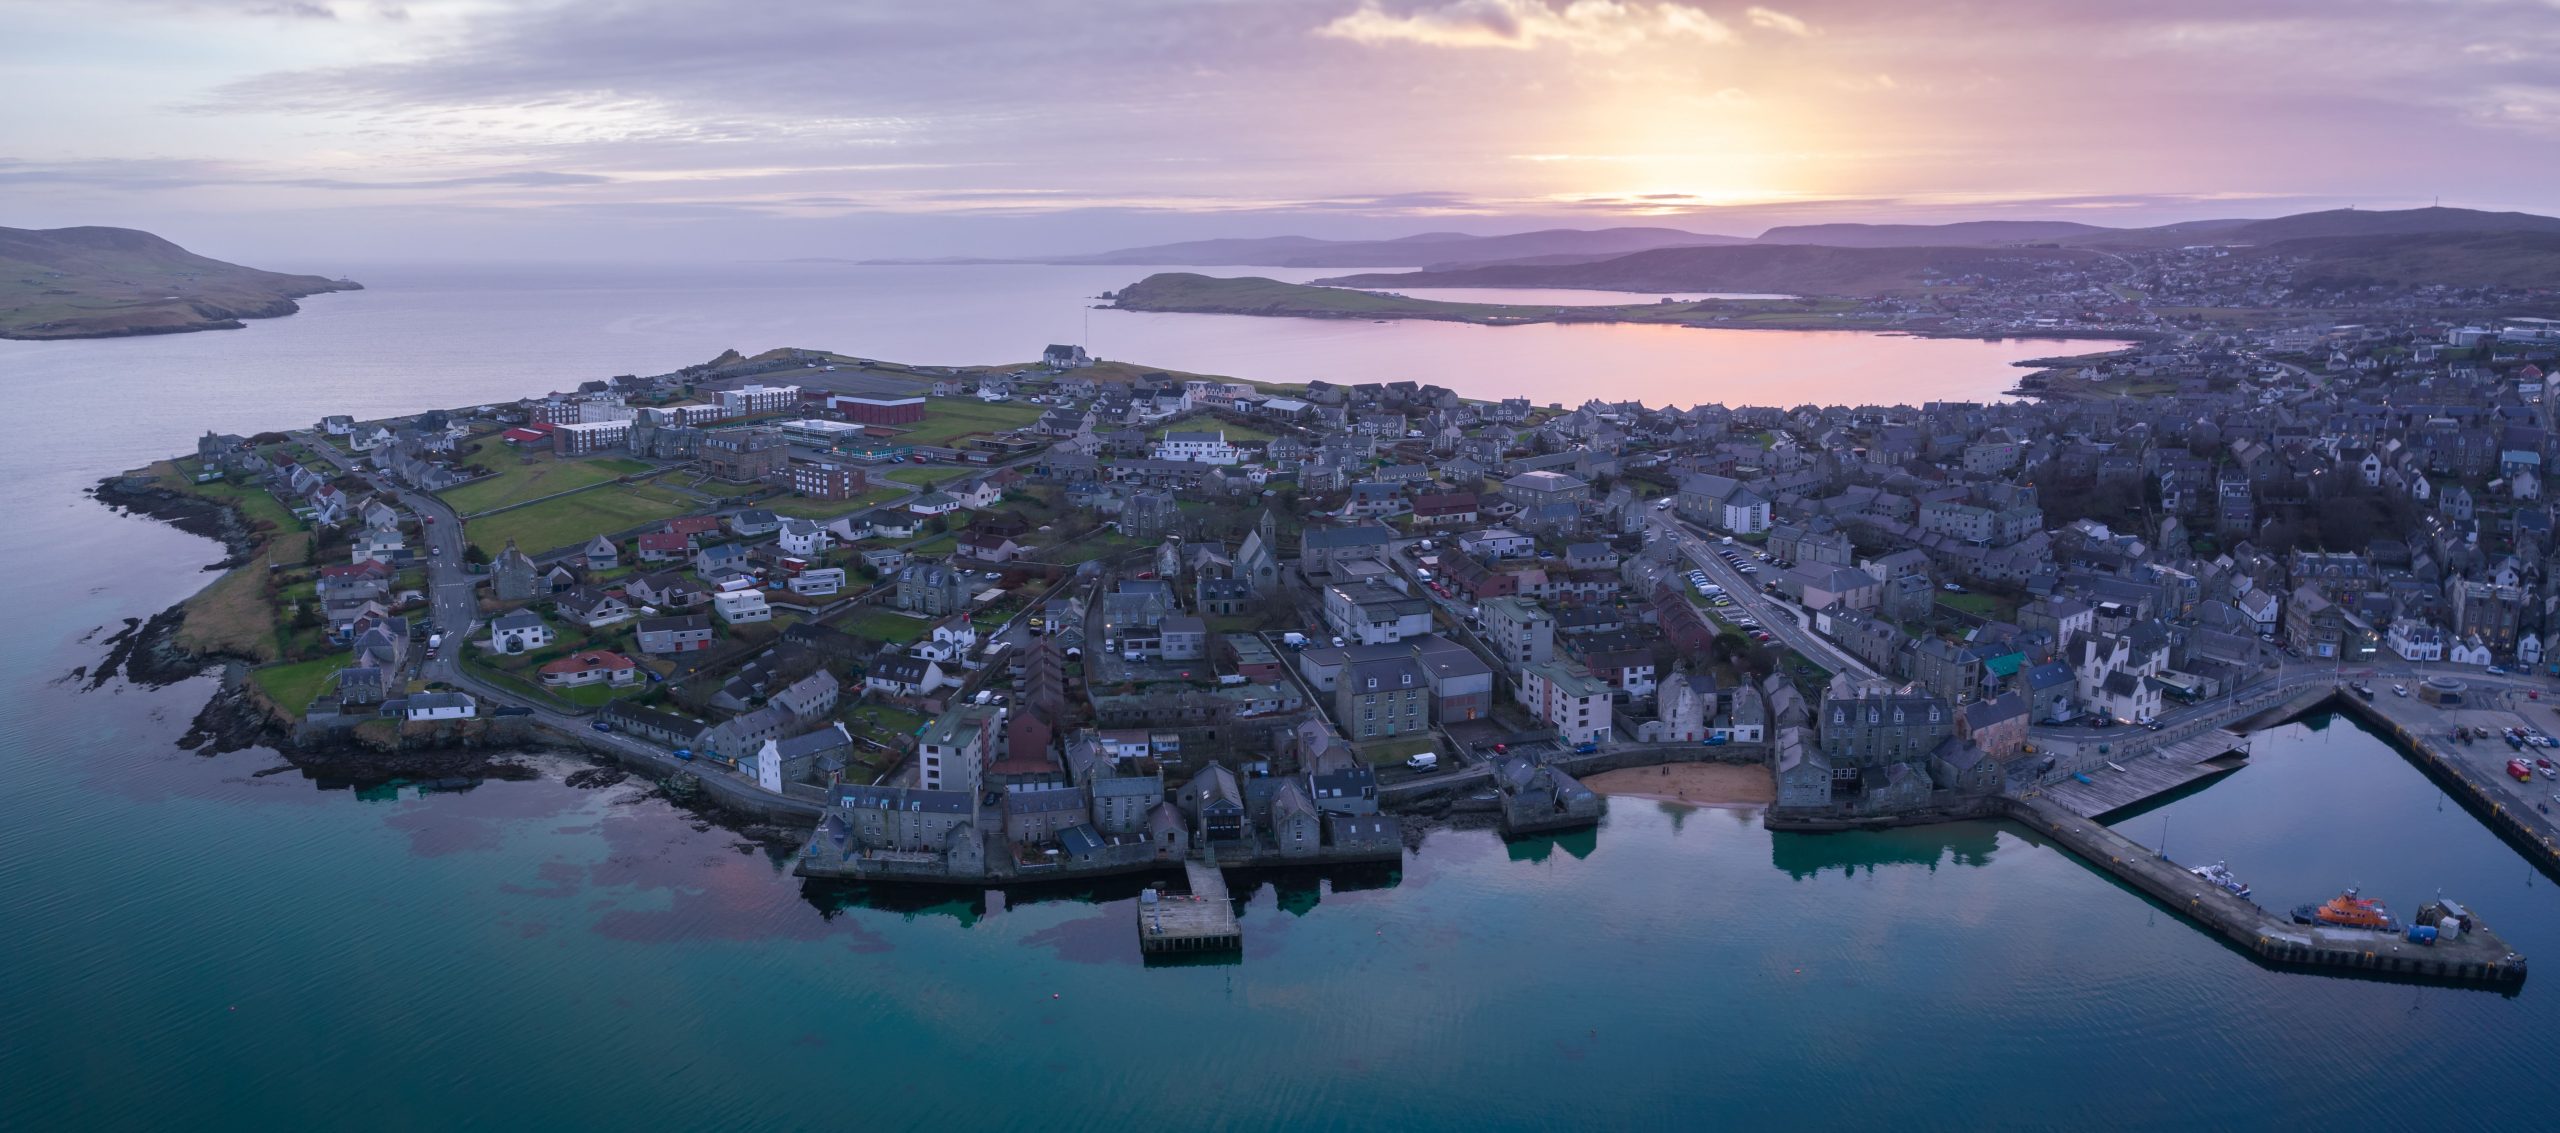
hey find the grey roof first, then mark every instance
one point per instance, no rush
(909, 799)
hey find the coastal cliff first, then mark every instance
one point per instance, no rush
(113, 282)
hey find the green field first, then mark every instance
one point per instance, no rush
(947, 418)
(802, 507)
(881, 623)
(518, 478)
(572, 520)
(293, 687)
(925, 476)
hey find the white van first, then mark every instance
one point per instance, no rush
(1423, 762)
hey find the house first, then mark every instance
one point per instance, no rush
(804, 538)
(953, 751)
(666, 590)
(602, 554)
(712, 561)
(904, 675)
(663, 546)
(1444, 509)
(1494, 543)
(817, 582)
(1215, 805)
(951, 639)
(687, 633)
(816, 756)
(591, 607)
(1197, 447)
(1722, 502)
(754, 522)
(594, 666)
(1385, 696)
(1569, 699)
(441, 706)
(520, 631)
(741, 606)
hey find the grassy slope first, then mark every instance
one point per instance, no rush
(572, 520)
(1184, 291)
(519, 479)
(1793, 269)
(94, 282)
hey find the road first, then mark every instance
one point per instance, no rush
(1783, 619)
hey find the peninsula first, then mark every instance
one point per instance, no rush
(109, 282)
(988, 625)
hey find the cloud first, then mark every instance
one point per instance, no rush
(1523, 25)
(1773, 20)
(296, 10)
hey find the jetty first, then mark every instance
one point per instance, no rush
(1203, 920)
(2474, 958)
(2113, 785)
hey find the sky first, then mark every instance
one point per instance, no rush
(686, 129)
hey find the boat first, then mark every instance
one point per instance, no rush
(2219, 875)
(2347, 910)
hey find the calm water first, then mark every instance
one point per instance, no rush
(193, 944)
(470, 333)
(1565, 296)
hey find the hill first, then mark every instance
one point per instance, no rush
(1791, 269)
(2514, 259)
(1974, 233)
(1420, 250)
(105, 282)
(2388, 222)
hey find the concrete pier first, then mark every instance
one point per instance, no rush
(2475, 959)
(2116, 784)
(1202, 921)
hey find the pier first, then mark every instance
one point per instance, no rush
(2476, 958)
(2149, 774)
(1203, 920)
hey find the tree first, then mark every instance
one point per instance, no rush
(471, 553)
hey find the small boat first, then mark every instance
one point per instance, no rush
(2347, 910)
(2115, 767)
(2220, 877)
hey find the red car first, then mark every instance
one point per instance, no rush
(2522, 770)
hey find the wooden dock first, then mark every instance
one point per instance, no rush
(1203, 920)
(2149, 774)
(2478, 958)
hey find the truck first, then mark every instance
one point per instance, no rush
(1423, 762)
(435, 641)
(1294, 640)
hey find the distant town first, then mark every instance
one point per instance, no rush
(1071, 618)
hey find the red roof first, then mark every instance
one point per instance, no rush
(661, 541)
(591, 659)
(522, 435)
(693, 524)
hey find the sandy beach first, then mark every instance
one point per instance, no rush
(1699, 784)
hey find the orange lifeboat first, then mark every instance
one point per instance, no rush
(2347, 910)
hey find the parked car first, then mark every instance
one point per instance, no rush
(601, 726)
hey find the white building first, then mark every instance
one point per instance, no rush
(738, 606)
(1572, 701)
(1203, 448)
(442, 706)
(817, 582)
(749, 400)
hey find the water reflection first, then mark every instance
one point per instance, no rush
(1803, 856)
(1540, 847)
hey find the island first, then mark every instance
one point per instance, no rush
(1071, 618)
(95, 282)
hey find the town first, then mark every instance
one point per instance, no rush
(1076, 617)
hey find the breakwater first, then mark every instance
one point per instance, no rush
(2476, 958)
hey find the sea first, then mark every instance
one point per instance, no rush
(218, 942)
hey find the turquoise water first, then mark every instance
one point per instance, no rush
(186, 942)
(194, 944)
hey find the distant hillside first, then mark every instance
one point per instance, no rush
(1423, 250)
(1792, 269)
(2389, 222)
(2513, 259)
(1974, 233)
(104, 282)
